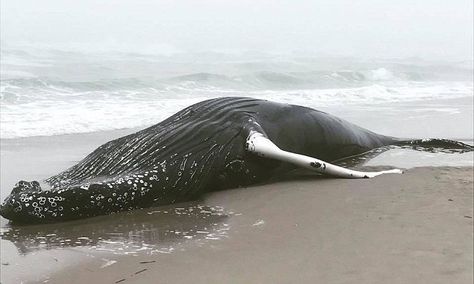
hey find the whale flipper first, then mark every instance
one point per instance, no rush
(259, 144)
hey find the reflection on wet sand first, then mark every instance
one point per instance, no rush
(151, 230)
(359, 160)
(411, 151)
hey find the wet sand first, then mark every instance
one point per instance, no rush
(415, 227)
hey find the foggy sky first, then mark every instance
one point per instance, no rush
(436, 29)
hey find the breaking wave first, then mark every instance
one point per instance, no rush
(62, 93)
(43, 109)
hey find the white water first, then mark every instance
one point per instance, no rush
(50, 92)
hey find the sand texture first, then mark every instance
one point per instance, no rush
(410, 228)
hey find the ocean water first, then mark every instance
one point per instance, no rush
(48, 92)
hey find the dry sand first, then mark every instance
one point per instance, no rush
(415, 227)
(410, 228)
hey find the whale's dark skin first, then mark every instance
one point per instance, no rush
(197, 150)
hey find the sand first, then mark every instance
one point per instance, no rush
(414, 227)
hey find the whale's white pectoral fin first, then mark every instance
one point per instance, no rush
(260, 145)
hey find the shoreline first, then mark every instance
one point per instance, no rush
(424, 118)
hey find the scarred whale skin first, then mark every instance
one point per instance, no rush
(197, 150)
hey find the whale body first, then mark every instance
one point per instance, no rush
(200, 149)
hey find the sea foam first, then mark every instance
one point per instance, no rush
(47, 92)
(52, 110)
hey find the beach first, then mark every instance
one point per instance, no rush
(75, 75)
(58, 105)
(414, 227)
(393, 229)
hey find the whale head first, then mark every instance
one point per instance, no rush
(16, 206)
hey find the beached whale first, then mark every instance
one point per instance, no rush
(212, 145)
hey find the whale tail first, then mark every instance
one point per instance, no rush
(435, 145)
